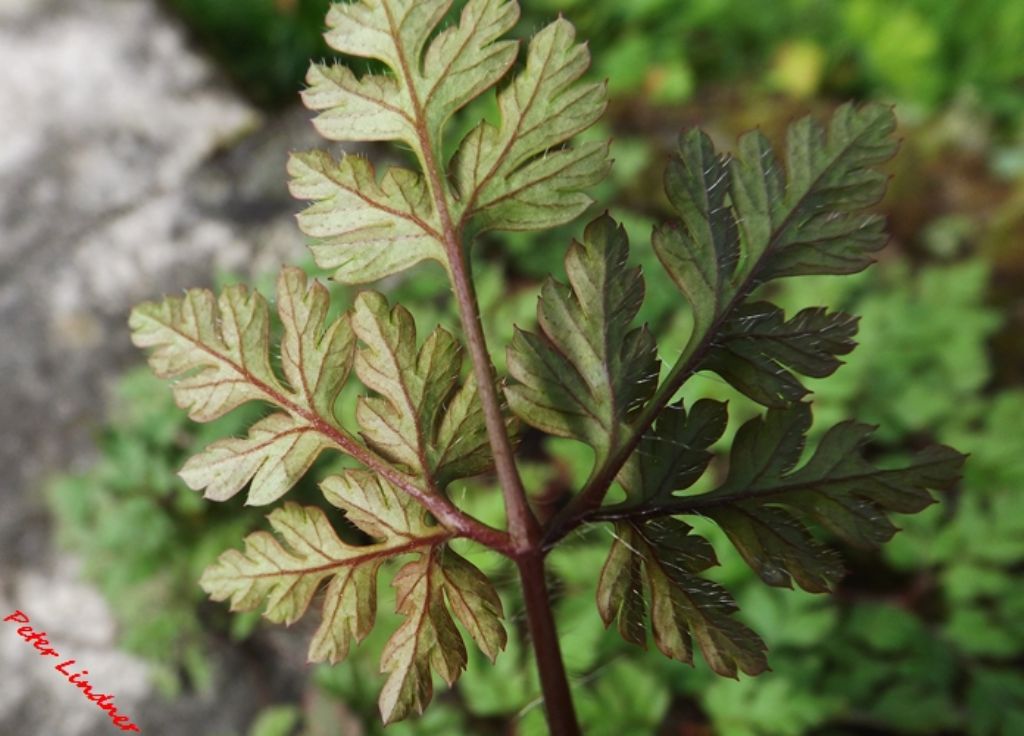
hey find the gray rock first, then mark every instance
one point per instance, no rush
(106, 117)
(128, 170)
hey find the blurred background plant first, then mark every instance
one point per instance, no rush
(926, 636)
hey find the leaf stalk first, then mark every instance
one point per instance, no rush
(558, 703)
(524, 530)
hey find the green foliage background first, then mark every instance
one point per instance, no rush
(926, 636)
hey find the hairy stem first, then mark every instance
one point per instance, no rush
(558, 703)
(523, 527)
(522, 524)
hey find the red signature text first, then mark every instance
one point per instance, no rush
(104, 701)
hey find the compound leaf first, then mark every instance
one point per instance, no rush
(460, 446)
(370, 108)
(662, 557)
(426, 639)
(283, 576)
(315, 354)
(218, 353)
(587, 373)
(589, 370)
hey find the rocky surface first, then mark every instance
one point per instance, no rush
(127, 170)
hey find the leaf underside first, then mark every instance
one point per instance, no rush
(518, 175)
(216, 352)
(421, 424)
(422, 418)
(283, 576)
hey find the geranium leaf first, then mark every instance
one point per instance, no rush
(589, 369)
(218, 353)
(460, 446)
(587, 372)
(315, 353)
(664, 559)
(422, 417)
(283, 576)
(516, 176)
(766, 501)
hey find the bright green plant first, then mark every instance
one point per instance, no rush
(589, 373)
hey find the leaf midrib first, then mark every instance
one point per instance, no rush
(378, 552)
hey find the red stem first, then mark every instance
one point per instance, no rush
(558, 703)
(522, 524)
(523, 528)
